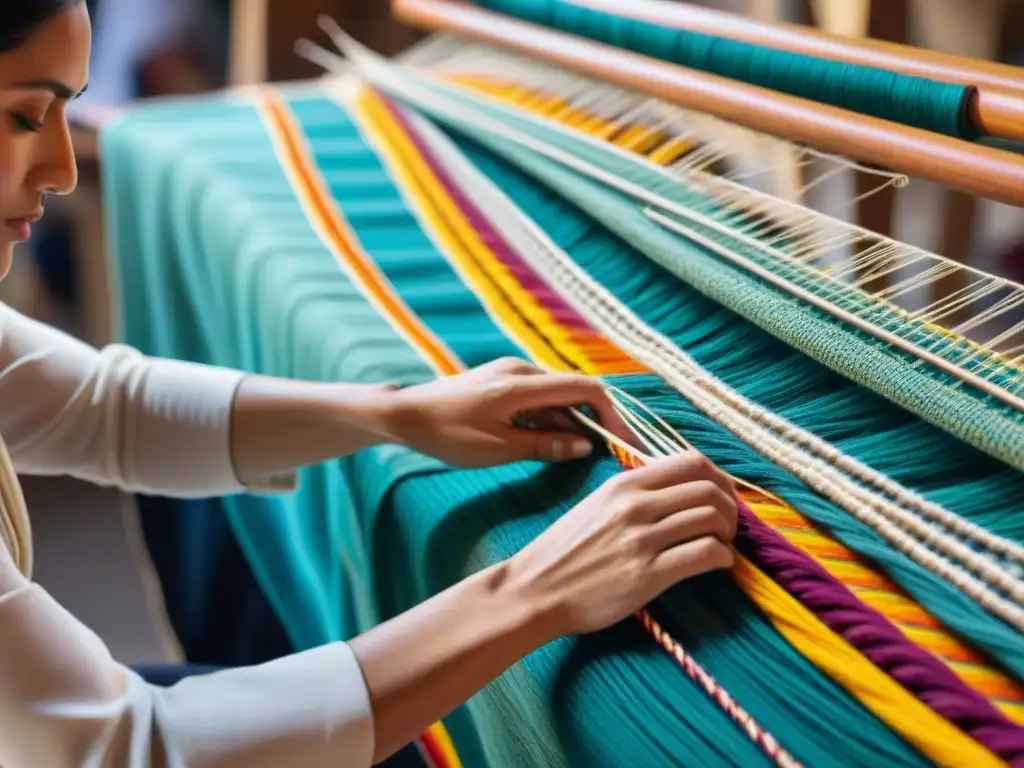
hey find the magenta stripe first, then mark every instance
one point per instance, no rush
(506, 254)
(917, 670)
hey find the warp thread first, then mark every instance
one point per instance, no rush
(959, 704)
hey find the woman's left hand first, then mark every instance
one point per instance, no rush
(470, 420)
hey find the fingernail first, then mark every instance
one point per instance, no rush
(581, 448)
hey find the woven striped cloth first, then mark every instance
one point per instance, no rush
(326, 234)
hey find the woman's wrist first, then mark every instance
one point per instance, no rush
(538, 614)
(373, 410)
(282, 424)
(536, 618)
(423, 664)
(386, 411)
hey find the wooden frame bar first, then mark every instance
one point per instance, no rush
(996, 108)
(980, 170)
(247, 58)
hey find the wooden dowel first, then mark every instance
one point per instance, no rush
(247, 57)
(980, 170)
(998, 113)
(996, 109)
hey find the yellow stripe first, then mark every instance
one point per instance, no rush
(444, 742)
(879, 593)
(524, 319)
(324, 214)
(933, 736)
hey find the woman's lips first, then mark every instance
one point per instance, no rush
(21, 228)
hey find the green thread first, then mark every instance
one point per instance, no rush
(970, 414)
(779, 378)
(905, 99)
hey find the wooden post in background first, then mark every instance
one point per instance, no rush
(247, 56)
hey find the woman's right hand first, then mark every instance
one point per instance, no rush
(640, 533)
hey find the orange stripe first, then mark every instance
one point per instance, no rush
(323, 209)
(342, 241)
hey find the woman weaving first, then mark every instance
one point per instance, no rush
(118, 418)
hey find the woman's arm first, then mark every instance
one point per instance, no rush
(605, 559)
(65, 702)
(116, 417)
(112, 416)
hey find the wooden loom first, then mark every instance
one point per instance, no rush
(996, 108)
(876, 268)
(692, 133)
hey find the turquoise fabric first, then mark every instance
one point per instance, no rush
(217, 263)
(914, 101)
(779, 378)
(967, 413)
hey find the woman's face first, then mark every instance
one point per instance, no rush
(37, 81)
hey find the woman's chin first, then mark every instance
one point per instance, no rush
(6, 258)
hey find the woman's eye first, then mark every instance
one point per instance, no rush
(25, 123)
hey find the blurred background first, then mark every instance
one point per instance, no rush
(144, 48)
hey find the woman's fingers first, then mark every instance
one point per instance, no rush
(659, 503)
(678, 470)
(542, 445)
(558, 391)
(513, 366)
(692, 558)
(554, 420)
(689, 524)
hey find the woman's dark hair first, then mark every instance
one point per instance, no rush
(21, 17)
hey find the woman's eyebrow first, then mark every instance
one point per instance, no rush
(57, 88)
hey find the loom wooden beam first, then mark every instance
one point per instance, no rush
(958, 164)
(247, 63)
(996, 108)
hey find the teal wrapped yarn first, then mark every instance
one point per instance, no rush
(914, 101)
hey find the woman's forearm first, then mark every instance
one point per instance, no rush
(278, 425)
(470, 420)
(426, 662)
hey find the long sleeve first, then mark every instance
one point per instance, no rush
(116, 417)
(119, 418)
(65, 703)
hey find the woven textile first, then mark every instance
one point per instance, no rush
(301, 234)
